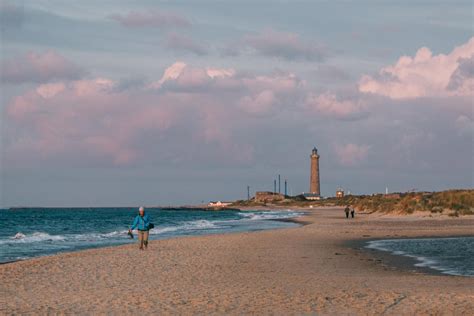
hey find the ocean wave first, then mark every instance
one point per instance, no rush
(269, 215)
(431, 263)
(55, 231)
(194, 225)
(191, 225)
(98, 236)
(30, 238)
(45, 237)
(425, 262)
(378, 245)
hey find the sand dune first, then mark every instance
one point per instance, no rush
(313, 269)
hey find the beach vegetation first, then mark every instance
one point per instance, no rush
(456, 202)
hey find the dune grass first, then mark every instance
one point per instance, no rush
(452, 202)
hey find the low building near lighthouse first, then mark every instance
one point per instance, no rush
(267, 196)
(218, 204)
(312, 196)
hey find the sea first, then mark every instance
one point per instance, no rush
(453, 256)
(32, 232)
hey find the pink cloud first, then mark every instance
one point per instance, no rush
(135, 19)
(220, 72)
(259, 104)
(193, 78)
(216, 128)
(171, 73)
(351, 154)
(197, 107)
(185, 76)
(39, 68)
(279, 82)
(92, 87)
(93, 120)
(425, 75)
(180, 74)
(110, 148)
(50, 90)
(86, 117)
(329, 105)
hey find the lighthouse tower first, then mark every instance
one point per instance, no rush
(314, 187)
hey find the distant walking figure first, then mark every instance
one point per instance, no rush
(347, 210)
(143, 224)
(352, 212)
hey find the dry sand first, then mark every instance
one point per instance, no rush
(313, 269)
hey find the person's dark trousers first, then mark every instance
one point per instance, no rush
(352, 214)
(347, 215)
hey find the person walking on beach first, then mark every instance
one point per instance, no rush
(347, 210)
(352, 212)
(142, 224)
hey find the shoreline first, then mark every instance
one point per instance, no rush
(399, 261)
(209, 233)
(396, 261)
(303, 270)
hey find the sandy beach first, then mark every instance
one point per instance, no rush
(317, 268)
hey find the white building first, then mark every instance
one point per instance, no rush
(218, 204)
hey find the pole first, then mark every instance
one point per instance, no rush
(248, 193)
(286, 187)
(279, 191)
(274, 186)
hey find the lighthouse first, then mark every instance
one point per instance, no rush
(314, 184)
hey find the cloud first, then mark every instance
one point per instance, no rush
(258, 104)
(220, 72)
(96, 121)
(465, 125)
(255, 95)
(328, 104)
(332, 74)
(104, 122)
(11, 16)
(206, 118)
(184, 43)
(50, 90)
(191, 79)
(39, 68)
(425, 75)
(462, 79)
(211, 114)
(129, 83)
(171, 73)
(282, 45)
(281, 82)
(157, 19)
(87, 118)
(183, 77)
(350, 155)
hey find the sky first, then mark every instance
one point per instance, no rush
(125, 103)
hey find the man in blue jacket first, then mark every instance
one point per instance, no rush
(142, 224)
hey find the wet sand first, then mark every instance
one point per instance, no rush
(317, 268)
